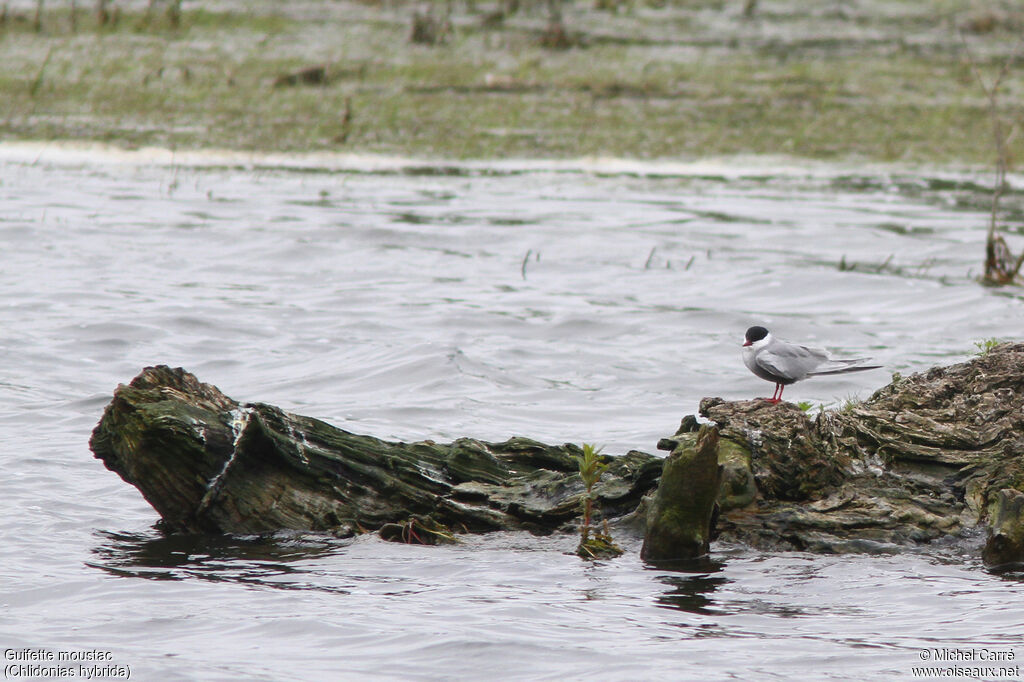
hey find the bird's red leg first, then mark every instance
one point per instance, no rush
(777, 395)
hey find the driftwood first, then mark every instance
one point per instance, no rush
(209, 464)
(680, 516)
(929, 456)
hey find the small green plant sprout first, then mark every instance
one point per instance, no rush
(591, 468)
(807, 405)
(851, 401)
(594, 543)
(985, 345)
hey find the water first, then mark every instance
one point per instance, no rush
(591, 301)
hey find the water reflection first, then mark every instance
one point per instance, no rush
(260, 560)
(693, 584)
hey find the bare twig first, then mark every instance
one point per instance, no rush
(1000, 267)
(885, 264)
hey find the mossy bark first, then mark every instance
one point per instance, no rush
(210, 464)
(598, 545)
(680, 517)
(925, 457)
(928, 456)
(1005, 544)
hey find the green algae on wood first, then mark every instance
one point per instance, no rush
(925, 457)
(598, 545)
(680, 517)
(210, 464)
(932, 455)
(1005, 543)
(788, 459)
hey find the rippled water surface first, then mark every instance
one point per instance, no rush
(589, 302)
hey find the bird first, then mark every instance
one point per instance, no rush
(785, 363)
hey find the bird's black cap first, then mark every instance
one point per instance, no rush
(756, 334)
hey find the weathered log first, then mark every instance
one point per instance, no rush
(209, 464)
(925, 457)
(1005, 545)
(679, 518)
(928, 456)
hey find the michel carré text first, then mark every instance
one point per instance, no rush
(972, 655)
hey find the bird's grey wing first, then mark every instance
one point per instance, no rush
(790, 361)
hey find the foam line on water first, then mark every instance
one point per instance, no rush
(726, 167)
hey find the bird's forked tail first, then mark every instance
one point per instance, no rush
(843, 366)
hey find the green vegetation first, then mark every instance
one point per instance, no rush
(594, 543)
(848, 405)
(591, 468)
(986, 345)
(645, 81)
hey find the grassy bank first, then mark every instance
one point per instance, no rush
(872, 80)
